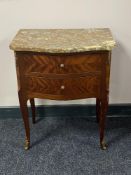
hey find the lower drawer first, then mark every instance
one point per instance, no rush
(63, 88)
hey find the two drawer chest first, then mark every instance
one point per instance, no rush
(63, 64)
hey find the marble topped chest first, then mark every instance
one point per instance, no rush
(63, 64)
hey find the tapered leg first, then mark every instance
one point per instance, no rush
(32, 102)
(98, 105)
(24, 111)
(103, 111)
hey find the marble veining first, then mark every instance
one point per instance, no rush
(63, 40)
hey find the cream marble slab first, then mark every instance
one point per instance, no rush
(63, 40)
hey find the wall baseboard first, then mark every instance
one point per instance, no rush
(114, 110)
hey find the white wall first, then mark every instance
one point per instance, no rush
(115, 14)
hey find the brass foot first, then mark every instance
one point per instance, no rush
(103, 145)
(27, 144)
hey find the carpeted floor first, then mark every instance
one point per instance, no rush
(65, 146)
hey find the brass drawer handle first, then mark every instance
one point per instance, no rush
(62, 87)
(62, 65)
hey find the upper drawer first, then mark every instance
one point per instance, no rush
(63, 64)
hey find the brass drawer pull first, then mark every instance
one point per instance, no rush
(62, 87)
(62, 65)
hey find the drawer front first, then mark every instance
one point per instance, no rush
(61, 88)
(39, 64)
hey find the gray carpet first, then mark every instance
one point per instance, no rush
(65, 146)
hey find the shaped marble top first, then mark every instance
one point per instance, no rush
(63, 40)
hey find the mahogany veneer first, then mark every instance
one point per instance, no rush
(63, 77)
